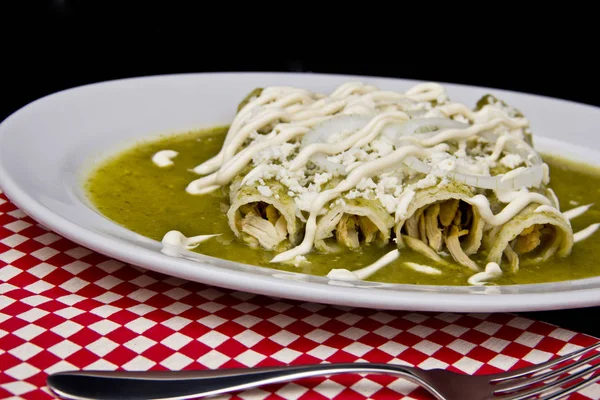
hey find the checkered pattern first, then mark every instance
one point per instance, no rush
(64, 307)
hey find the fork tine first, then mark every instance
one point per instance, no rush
(548, 364)
(554, 385)
(512, 386)
(572, 389)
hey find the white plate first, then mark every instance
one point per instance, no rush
(47, 146)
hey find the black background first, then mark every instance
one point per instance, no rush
(48, 46)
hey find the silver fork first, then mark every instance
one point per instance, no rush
(444, 385)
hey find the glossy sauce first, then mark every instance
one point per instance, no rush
(134, 192)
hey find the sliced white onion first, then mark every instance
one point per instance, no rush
(430, 125)
(514, 180)
(530, 176)
(421, 128)
(321, 160)
(515, 146)
(323, 132)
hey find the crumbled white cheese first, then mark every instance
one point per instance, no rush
(512, 160)
(274, 153)
(305, 200)
(366, 183)
(291, 180)
(349, 156)
(382, 147)
(403, 202)
(388, 201)
(353, 194)
(265, 190)
(388, 182)
(322, 178)
(428, 181)
(447, 165)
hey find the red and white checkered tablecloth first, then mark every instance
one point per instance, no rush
(65, 307)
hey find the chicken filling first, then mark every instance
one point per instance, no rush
(529, 242)
(441, 226)
(261, 224)
(354, 230)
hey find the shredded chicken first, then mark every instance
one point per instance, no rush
(422, 248)
(441, 223)
(346, 233)
(434, 234)
(448, 209)
(265, 232)
(457, 218)
(262, 223)
(249, 208)
(412, 224)
(453, 246)
(422, 230)
(528, 240)
(474, 222)
(281, 226)
(368, 228)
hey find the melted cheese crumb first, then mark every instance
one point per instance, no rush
(265, 190)
(512, 160)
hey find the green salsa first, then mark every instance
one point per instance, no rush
(132, 191)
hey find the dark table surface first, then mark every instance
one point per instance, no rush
(54, 45)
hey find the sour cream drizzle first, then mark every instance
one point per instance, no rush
(425, 269)
(239, 129)
(231, 168)
(293, 112)
(164, 158)
(358, 139)
(178, 239)
(364, 273)
(585, 233)
(492, 271)
(365, 170)
(576, 212)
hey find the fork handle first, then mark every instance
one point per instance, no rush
(180, 385)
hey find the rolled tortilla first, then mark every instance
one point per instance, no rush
(266, 220)
(533, 235)
(442, 219)
(353, 223)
